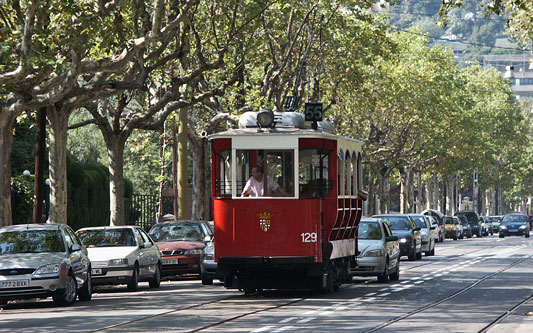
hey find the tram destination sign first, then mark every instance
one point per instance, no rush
(313, 111)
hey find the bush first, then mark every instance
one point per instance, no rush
(22, 188)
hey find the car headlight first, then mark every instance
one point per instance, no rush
(191, 252)
(118, 262)
(503, 227)
(47, 269)
(522, 227)
(403, 240)
(374, 253)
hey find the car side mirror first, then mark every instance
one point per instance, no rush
(417, 229)
(391, 238)
(147, 245)
(207, 239)
(75, 247)
(433, 227)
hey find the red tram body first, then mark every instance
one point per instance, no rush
(304, 238)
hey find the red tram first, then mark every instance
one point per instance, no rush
(301, 237)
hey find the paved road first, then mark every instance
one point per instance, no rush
(471, 285)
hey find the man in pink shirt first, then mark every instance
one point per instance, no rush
(255, 186)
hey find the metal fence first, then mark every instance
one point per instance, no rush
(144, 208)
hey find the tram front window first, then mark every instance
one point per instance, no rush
(265, 173)
(313, 174)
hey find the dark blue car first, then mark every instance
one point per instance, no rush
(514, 224)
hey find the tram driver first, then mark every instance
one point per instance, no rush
(255, 186)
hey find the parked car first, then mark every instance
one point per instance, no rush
(208, 265)
(514, 224)
(467, 229)
(427, 233)
(438, 231)
(408, 234)
(122, 255)
(378, 250)
(43, 260)
(487, 225)
(181, 244)
(451, 227)
(473, 220)
(439, 217)
(496, 220)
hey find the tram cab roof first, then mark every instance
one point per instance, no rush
(282, 138)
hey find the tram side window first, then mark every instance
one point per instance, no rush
(312, 175)
(223, 186)
(277, 169)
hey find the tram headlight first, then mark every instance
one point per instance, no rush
(403, 240)
(265, 118)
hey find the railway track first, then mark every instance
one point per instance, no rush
(368, 297)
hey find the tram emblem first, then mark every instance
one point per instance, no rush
(264, 220)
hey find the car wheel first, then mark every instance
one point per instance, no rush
(133, 284)
(68, 296)
(155, 281)
(527, 234)
(412, 255)
(206, 280)
(396, 275)
(384, 277)
(86, 292)
(432, 252)
(501, 235)
(419, 255)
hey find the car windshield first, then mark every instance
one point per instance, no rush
(176, 232)
(369, 230)
(449, 220)
(508, 219)
(107, 237)
(420, 221)
(31, 241)
(397, 222)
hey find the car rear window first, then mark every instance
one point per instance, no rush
(450, 220)
(176, 232)
(397, 222)
(107, 237)
(31, 241)
(369, 230)
(420, 221)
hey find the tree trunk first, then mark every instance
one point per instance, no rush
(115, 153)
(420, 187)
(383, 193)
(39, 166)
(184, 211)
(162, 144)
(436, 194)
(429, 193)
(6, 145)
(199, 179)
(410, 192)
(371, 190)
(58, 118)
(450, 209)
(404, 183)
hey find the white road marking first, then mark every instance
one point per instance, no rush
(325, 313)
(370, 294)
(384, 294)
(284, 328)
(383, 289)
(306, 320)
(370, 299)
(356, 303)
(262, 329)
(340, 308)
(309, 312)
(419, 282)
(286, 320)
(356, 299)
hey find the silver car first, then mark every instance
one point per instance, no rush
(378, 250)
(122, 254)
(43, 260)
(427, 232)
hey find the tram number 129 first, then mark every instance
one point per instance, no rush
(308, 237)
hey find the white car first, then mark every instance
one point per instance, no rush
(427, 231)
(122, 254)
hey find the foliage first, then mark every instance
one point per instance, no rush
(22, 189)
(24, 143)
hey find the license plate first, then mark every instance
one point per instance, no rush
(14, 284)
(96, 271)
(170, 261)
